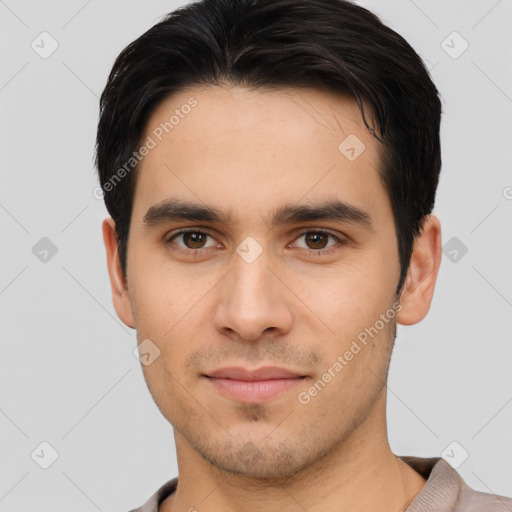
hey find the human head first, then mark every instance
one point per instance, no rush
(256, 43)
(254, 143)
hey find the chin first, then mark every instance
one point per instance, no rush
(255, 459)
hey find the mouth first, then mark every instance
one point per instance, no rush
(253, 386)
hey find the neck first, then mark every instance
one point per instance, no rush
(359, 474)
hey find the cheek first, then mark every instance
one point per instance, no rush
(159, 295)
(359, 321)
(348, 299)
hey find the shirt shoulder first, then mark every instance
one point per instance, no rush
(446, 491)
(475, 501)
(152, 504)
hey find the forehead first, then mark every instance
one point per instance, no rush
(240, 147)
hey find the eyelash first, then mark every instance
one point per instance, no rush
(309, 252)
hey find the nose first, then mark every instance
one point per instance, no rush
(253, 300)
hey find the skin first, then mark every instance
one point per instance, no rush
(248, 153)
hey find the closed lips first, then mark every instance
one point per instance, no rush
(264, 373)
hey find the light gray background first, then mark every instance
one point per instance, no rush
(68, 375)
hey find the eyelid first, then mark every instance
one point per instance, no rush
(325, 231)
(204, 231)
(340, 239)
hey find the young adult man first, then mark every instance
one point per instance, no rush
(271, 168)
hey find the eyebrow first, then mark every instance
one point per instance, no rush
(333, 210)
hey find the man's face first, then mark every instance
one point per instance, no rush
(264, 290)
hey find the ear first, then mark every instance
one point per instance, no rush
(419, 285)
(120, 296)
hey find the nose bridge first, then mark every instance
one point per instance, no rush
(252, 299)
(252, 279)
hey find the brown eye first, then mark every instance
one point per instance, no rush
(316, 240)
(191, 240)
(194, 240)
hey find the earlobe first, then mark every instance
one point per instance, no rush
(120, 296)
(421, 278)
